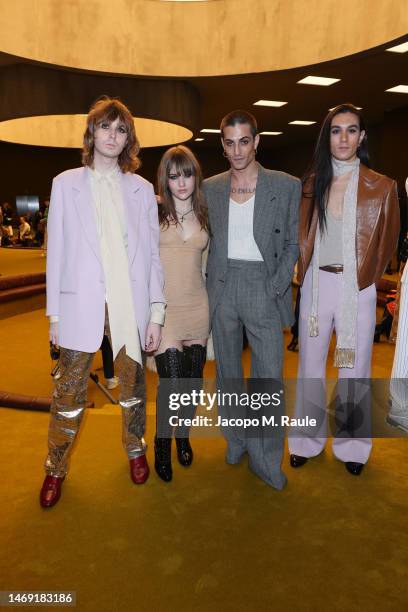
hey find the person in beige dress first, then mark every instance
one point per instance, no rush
(182, 352)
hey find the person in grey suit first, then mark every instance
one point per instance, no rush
(253, 216)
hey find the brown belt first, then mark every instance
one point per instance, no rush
(335, 269)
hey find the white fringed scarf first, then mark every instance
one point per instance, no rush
(344, 356)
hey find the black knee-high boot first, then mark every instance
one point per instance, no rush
(194, 361)
(169, 366)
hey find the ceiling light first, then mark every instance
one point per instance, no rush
(314, 80)
(67, 131)
(399, 89)
(198, 139)
(271, 133)
(403, 48)
(210, 131)
(357, 107)
(299, 122)
(274, 103)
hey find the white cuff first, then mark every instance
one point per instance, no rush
(54, 318)
(157, 312)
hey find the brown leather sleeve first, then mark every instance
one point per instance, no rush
(307, 231)
(389, 232)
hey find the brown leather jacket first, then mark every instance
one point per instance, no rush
(377, 231)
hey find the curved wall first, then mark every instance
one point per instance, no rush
(27, 90)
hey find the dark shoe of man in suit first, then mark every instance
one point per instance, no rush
(297, 461)
(354, 468)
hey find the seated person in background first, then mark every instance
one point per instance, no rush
(35, 223)
(7, 220)
(24, 231)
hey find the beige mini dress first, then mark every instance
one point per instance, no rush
(187, 315)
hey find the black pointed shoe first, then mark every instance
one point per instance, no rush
(184, 451)
(353, 467)
(162, 458)
(297, 461)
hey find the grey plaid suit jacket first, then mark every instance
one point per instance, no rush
(276, 218)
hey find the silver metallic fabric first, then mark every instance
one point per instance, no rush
(69, 401)
(132, 399)
(67, 409)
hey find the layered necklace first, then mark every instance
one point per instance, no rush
(181, 217)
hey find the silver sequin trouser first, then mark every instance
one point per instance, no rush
(69, 401)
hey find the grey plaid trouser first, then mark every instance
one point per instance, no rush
(246, 303)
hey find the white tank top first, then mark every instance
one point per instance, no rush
(241, 242)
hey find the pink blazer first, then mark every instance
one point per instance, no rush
(75, 278)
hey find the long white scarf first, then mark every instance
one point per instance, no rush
(344, 356)
(112, 232)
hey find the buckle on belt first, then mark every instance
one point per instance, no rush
(335, 269)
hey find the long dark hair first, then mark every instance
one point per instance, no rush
(319, 175)
(184, 162)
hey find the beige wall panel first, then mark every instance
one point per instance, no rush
(149, 37)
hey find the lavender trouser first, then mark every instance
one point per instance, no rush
(311, 388)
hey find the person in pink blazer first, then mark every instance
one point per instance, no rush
(103, 276)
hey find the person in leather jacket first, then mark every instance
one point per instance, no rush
(348, 231)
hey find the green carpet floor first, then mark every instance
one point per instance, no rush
(216, 538)
(21, 261)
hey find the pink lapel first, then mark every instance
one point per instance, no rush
(85, 209)
(132, 206)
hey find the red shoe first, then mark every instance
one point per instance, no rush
(139, 470)
(51, 491)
